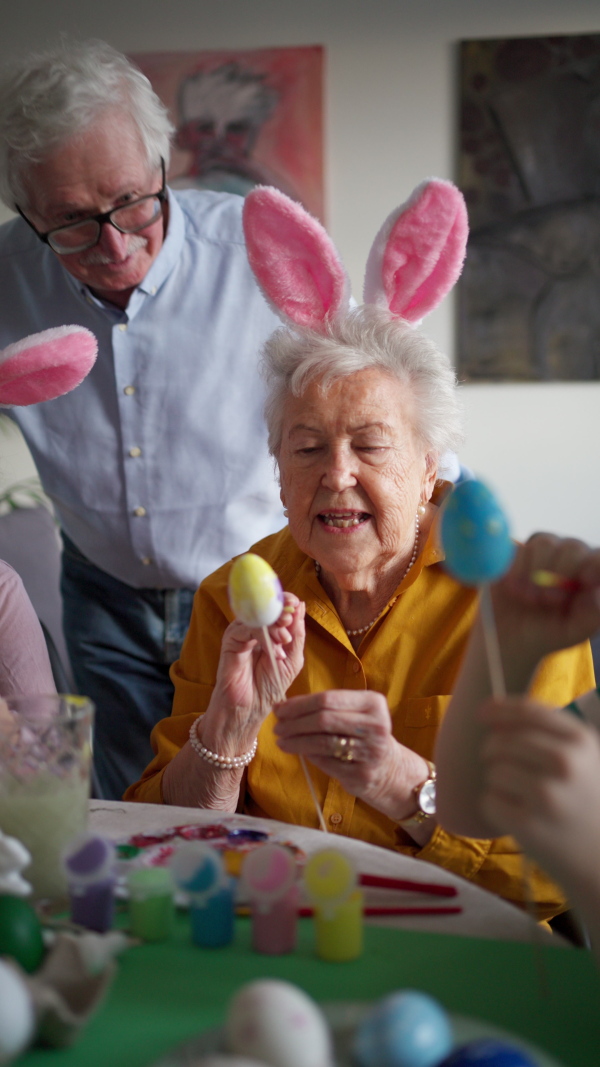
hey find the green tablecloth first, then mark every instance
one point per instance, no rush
(166, 993)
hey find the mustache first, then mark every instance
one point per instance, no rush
(95, 257)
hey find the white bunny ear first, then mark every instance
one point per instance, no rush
(418, 254)
(45, 365)
(293, 259)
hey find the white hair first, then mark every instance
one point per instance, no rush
(46, 98)
(364, 338)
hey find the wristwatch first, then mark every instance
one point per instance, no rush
(425, 798)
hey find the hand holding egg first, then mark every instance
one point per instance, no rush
(249, 676)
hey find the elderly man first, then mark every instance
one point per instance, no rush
(157, 465)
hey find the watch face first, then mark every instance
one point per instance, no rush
(427, 797)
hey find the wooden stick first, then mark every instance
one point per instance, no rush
(494, 657)
(492, 645)
(281, 694)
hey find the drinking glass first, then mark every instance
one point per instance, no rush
(45, 765)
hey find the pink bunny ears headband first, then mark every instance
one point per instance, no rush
(415, 260)
(45, 365)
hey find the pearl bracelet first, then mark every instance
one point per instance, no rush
(225, 763)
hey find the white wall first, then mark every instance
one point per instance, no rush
(390, 98)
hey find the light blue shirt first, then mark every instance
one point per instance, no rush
(157, 463)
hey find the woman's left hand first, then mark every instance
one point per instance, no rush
(348, 735)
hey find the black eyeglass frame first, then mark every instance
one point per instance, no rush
(101, 219)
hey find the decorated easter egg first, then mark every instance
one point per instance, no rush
(278, 1024)
(475, 535)
(224, 1059)
(406, 1029)
(255, 592)
(17, 1019)
(20, 932)
(487, 1052)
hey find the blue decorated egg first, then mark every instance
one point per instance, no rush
(406, 1029)
(475, 535)
(488, 1052)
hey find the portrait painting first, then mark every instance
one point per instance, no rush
(529, 167)
(244, 118)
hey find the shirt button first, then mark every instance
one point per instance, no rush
(146, 560)
(356, 667)
(122, 326)
(135, 452)
(129, 390)
(335, 818)
(139, 512)
(153, 291)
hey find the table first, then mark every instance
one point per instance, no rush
(164, 994)
(484, 914)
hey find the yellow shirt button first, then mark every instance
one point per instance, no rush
(146, 560)
(135, 452)
(335, 818)
(122, 326)
(129, 390)
(140, 512)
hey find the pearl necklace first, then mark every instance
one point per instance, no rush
(363, 629)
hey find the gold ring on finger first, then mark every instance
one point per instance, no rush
(343, 748)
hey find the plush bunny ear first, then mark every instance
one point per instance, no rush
(293, 259)
(418, 254)
(45, 365)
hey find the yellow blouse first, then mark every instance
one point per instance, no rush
(411, 655)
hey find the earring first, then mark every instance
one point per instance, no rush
(421, 508)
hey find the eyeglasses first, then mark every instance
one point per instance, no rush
(130, 218)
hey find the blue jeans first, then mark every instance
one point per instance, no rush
(121, 643)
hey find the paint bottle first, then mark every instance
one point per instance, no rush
(199, 871)
(269, 878)
(89, 864)
(330, 882)
(151, 908)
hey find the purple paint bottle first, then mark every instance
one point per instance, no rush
(89, 862)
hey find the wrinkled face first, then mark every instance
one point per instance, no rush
(104, 167)
(353, 472)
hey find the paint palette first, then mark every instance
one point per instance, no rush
(156, 849)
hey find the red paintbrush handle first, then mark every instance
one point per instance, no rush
(307, 913)
(434, 889)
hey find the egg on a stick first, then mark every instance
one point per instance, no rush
(256, 597)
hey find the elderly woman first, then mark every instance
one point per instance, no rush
(358, 417)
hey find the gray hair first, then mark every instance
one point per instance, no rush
(46, 98)
(363, 338)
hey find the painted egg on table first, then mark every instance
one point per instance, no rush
(17, 1017)
(278, 1024)
(487, 1052)
(475, 535)
(255, 592)
(406, 1029)
(20, 932)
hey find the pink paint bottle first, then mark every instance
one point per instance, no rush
(269, 878)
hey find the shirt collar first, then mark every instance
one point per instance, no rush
(170, 251)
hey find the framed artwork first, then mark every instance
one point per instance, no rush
(244, 118)
(529, 166)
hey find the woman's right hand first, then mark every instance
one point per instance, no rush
(247, 685)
